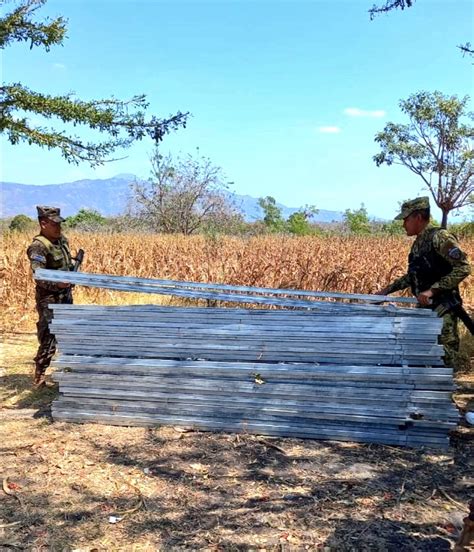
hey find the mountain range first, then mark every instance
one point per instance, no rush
(110, 197)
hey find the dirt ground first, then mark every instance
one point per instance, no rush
(92, 488)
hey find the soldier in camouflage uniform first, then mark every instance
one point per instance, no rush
(436, 266)
(50, 249)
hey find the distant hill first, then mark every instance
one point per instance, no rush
(109, 197)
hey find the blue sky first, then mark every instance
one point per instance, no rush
(285, 96)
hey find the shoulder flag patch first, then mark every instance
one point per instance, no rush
(455, 253)
(38, 258)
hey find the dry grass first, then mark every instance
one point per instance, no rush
(214, 492)
(347, 264)
(195, 491)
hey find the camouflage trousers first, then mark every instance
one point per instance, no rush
(46, 340)
(449, 338)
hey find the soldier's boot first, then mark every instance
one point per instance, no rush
(39, 377)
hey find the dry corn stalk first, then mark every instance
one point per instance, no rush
(339, 263)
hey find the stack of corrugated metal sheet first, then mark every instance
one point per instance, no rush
(342, 371)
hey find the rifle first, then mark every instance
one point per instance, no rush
(446, 302)
(75, 267)
(452, 302)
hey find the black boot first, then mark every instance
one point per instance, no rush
(39, 378)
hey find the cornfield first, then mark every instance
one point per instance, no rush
(341, 263)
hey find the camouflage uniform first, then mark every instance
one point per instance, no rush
(435, 263)
(56, 255)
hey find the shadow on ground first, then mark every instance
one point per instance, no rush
(18, 391)
(209, 491)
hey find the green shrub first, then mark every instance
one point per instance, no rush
(21, 223)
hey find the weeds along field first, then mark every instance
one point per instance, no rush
(349, 264)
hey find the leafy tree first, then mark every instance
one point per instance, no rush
(436, 145)
(463, 230)
(272, 217)
(183, 195)
(86, 219)
(126, 223)
(298, 223)
(357, 221)
(393, 228)
(121, 122)
(21, 223)
(229, 222)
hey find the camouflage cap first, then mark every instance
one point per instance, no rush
(413, 205)
(51, 213)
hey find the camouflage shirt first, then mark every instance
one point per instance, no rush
(446, 247)
(56, 255)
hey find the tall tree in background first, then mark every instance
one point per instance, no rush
(357, 220)
(86, 220)
(122, 122)
(299, 224)
(436, 144)
(272, 217)
(183, 195)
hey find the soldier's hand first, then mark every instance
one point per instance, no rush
(425, 298)
(63, 285)
(382, 291)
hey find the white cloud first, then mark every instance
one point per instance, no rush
(59, 66)
(329, 129)
(356, 112)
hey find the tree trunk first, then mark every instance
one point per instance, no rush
(444, 221)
